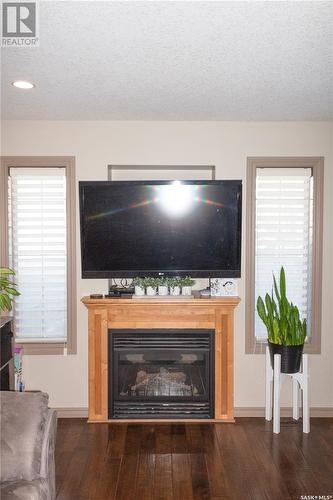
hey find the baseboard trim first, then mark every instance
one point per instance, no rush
(72, 412)
(318, 411)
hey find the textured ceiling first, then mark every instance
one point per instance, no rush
(175, 61)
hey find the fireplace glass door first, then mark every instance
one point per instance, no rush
(160, 373)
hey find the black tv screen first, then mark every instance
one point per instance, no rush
(151, 228)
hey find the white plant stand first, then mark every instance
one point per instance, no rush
(274, 380)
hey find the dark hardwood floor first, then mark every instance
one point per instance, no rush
(194, 461)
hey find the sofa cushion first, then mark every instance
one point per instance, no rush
(23, 418)
(25, 490)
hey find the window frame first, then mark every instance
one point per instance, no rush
(252, 345)
(67, 162)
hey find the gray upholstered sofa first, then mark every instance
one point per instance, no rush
(28, 430)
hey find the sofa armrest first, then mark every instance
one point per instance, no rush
(47, 469)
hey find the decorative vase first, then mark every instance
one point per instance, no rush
(186, 290)
(163, 290)
(175, 290)
(291, 356)
(138, 290)
(151, 291)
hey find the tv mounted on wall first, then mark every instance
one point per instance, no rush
(154, 228)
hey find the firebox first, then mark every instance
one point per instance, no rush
(161, 373)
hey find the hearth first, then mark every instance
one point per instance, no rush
(161, 373)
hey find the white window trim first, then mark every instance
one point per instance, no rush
(67, 162)
(253, 346)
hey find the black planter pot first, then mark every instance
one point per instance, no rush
(291, 356)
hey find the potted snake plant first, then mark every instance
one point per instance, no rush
(7, 289)
(286, 331)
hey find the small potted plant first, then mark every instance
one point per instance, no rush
(286, 330)
(186, 284)
(139, 286)
(162, 286)
(7, 289)
(174, 285)
(150, 285)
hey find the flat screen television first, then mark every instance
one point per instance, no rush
(155, 228)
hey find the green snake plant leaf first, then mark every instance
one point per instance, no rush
(283, 328)
(276, 290)
(270, 313)
(284, 307)
(274, 305)
(299, 332)
(276, 332)
(262, 310)
(269, 306)
(304, 330)
(283, 283)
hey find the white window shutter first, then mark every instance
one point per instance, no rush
(37, 225)
(284, 223)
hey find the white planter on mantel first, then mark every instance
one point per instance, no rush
(175, 291)
(163, 290)
(151, 291)
(138, 290)
(186, 290)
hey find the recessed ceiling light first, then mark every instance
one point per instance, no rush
(21, 84)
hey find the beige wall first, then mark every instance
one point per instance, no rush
(224, 144)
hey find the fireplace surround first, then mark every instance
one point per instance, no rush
(214, 313)
(160, 373)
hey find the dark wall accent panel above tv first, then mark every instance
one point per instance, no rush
(151, 228)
